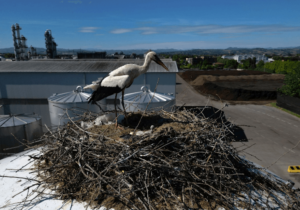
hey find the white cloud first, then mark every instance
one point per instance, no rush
(88, 29)
(121, 31)
(209, 29)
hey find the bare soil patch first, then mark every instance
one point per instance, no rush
(235, 86)
(192, 75)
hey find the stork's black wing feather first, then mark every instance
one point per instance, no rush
(102, 92)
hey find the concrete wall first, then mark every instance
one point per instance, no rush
(28, 92)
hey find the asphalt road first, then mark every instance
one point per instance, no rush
(273, 135)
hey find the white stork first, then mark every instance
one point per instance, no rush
(121, 78)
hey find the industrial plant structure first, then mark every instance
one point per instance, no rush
(19, 43)
(32, 53)
(50, 44)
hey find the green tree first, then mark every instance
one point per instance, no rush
(249, 63)
(241, 66)
(260, 64)
(175, 58)
(292, 83)
(246, 63)
(282, 67)
(205, 62)
(210, 67)
(252, 63)
(231, 64)
(9, 55)
(221, 60)
(276, 58)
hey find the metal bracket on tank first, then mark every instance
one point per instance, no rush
(144, 89)
(77, 89)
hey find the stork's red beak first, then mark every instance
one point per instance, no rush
(159, 62)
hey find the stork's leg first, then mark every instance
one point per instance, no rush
(99, 107)
(116, 110)
(124, 107)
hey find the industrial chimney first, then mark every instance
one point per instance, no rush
(50, 44)
(19, 43)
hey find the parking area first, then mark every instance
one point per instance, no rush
(273, 139)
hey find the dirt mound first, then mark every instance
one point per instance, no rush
(235, 85)
(200, 80)
(192, 75)
(231, 94)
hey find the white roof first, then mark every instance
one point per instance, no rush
(11, 186)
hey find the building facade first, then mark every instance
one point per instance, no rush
(239, 58)
(193, 61)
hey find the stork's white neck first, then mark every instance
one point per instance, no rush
(144, 68)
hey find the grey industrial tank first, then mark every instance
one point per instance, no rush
(76, 102)
(24, 127)
(138, 101)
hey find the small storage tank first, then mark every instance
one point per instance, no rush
(76, 99)
(138, 101)
(24, 127)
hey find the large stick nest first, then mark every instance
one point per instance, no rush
(186, 162)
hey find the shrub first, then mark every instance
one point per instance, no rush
(240, 66)
(188, 66)
(292, 83)
(282, 67)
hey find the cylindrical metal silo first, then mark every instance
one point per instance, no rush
(138, 101)
(18, 128)
(75, 102)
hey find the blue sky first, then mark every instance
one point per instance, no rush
(153, 24)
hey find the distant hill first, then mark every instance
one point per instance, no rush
(230, 50)
(11, 50)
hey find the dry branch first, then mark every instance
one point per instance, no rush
(187, 162)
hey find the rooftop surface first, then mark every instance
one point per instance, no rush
(79, 65)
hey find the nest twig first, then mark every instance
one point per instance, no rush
(186, 162)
